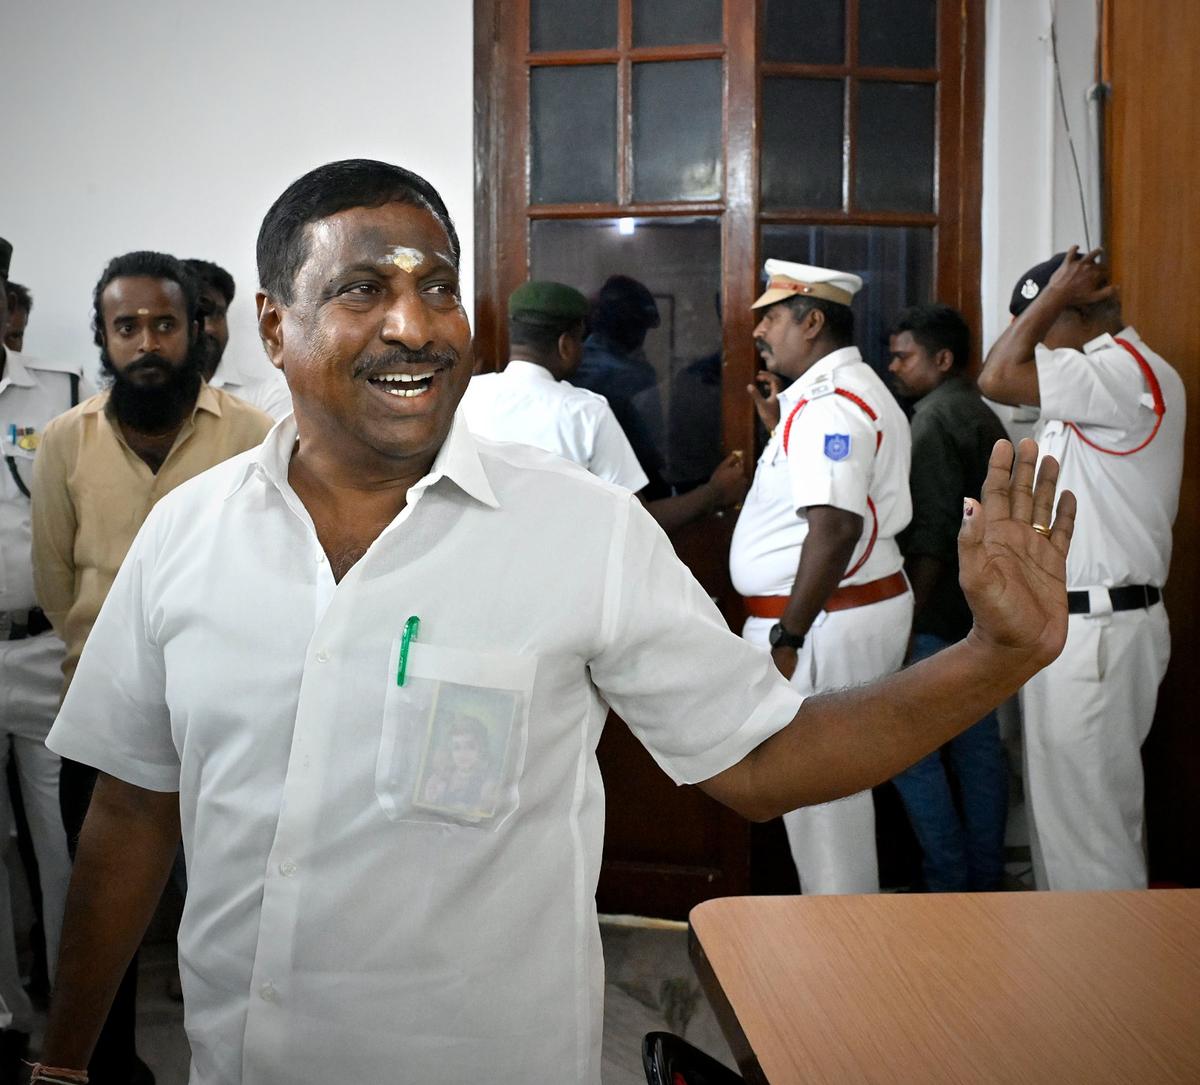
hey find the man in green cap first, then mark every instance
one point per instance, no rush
(531, 402)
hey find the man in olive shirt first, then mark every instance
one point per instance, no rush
(953, 433)
(100, 469)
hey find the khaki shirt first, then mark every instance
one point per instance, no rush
(91, 492)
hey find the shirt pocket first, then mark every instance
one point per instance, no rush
(452, 747)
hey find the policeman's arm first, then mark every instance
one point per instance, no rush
(832, 535)
(1015, 582)
(125, 852)
(53, 521)
(1010, 374)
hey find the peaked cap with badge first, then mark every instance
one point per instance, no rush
(786, 280)
(1032, 283)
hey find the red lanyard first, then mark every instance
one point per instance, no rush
(787, 432)
(1160, 406)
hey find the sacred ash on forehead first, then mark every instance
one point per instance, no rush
(404, 258)
(143, 312)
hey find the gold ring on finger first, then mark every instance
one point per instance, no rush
(1041, 529)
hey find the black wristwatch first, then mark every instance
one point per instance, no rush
(781, 638)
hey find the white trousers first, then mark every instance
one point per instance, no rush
(833, 844)
(30, 680)
(1086, 717)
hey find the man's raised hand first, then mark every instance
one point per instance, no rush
(1013, 576)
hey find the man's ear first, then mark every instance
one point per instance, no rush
(270, 327)
(944, 360)
(814, 320)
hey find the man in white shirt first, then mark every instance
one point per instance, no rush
(303, 643)
(532, 402)
(814, 552)
(269, 393)
(32, 392)
(1113, 414)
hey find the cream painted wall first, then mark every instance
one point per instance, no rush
(174, 126)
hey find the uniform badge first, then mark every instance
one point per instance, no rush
(24, 437)
(821, 387)
(1030, 289)
(837, 446)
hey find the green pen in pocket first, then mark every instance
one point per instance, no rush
(411, 628)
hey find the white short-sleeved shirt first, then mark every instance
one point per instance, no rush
(270, 394)
(32, 392)
(834, 457)
(1127, 504)
(366, 901)
(526, 404)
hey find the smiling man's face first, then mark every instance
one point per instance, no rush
(375, 344)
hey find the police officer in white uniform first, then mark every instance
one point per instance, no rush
(268, 391)
(32, 392)
(531, 402)
(814, 552)
(1113, 414)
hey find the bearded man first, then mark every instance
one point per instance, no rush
(100, 469)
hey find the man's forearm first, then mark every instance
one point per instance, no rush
(842, 743)
(832, 536)
(1009, 374)
(671, 513)
(125, 852)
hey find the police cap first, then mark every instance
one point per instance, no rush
(547, 304)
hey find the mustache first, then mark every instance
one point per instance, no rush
(369, 365)
(762, 346)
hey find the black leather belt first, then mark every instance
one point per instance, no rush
(1131, 597)
(20, 624)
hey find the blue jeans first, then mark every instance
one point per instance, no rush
(962, 851)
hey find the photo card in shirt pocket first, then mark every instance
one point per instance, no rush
(453, 737)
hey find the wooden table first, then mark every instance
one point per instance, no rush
(1061, 988)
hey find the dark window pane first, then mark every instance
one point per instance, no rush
(895, 147)
(665, 391)
(805, 31)
(895, 262)
(802, 142)
(572, 24)
(677, 130)
(897, 33)
(677, 22)
(573, 134)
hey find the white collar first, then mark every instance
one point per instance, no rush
(824, 367)
(524, 370)
(457, 459)
(1105, 340)
(15, 372)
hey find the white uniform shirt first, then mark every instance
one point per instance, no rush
(351, 915)
(832, 459)
(526, 404)
(1127, 504)
(32, 392)
(270, 394)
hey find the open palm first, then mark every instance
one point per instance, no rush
(1014, 577)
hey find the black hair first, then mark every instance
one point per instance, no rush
(541, 337)
(839, 319)
(19, 297)
(213, 276)
(150, 265)
(937, 327)
(337, 186)
(623, 311)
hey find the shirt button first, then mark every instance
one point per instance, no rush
(287, 868)
(268, 993)
(322, 656)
